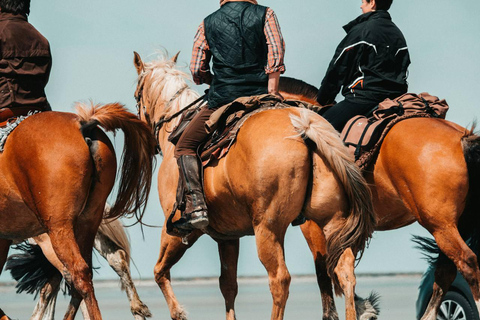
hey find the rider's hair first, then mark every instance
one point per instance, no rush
(15, 6)
(382, 4)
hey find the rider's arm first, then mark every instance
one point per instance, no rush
(345, 58)
(276, 51)
(201, 55)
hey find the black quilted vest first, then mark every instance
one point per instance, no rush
(238, 45)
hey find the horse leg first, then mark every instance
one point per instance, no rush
(4, 247)
(77, 263)
(271, 253)
(452, 245)
(45, 307)
(117, 259)
(228, 251)
(45, 243)
(171, 250)
(316, 242)
(445, 273)
(346, 277)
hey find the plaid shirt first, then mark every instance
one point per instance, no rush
(201, 55)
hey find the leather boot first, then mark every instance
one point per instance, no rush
(195, 214)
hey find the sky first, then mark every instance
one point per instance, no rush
(92, 45)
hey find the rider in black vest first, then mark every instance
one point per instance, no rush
(370, 64)
(239, 52)
(238, 38)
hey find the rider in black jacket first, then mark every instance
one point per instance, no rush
(370, 64)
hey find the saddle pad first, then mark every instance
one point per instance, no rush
(8, 126)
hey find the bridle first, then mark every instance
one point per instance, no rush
(157, 125)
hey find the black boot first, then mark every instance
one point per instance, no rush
(195, 214)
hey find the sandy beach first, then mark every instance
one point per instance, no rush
(203, 300)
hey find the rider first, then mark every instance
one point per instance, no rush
(244, 42)
(25, 61)
(370, 63)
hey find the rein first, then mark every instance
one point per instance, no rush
(157, 125)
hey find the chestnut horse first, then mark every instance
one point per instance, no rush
(56, 173)
(427, 171)
(269, 177)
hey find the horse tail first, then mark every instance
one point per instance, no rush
(138, 154)
(114, 230)
(30, 268)
(469, 223)
(360, 222)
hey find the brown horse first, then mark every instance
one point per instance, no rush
(56, 173)
(426, 171)
(267, 179)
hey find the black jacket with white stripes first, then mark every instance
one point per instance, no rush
(370, 63)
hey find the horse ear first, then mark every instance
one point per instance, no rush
(137, 61)
(175, 57)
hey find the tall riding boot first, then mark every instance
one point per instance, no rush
(195, 207)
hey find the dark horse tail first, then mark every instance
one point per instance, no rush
(30, 268)
(469, 224)
(138, 154)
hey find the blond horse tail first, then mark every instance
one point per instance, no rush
(114, 230)
(360, 222)
(137, 157)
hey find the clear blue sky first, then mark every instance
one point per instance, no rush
(93, 42)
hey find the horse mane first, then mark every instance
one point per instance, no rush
(295, 86)
(161, 80)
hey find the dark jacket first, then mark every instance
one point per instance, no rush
(370, 63)
(25, 63)
(238, 45)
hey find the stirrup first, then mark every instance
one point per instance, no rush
(192, 221)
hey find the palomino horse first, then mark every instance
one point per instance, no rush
(268, 177)
(56, 173)
(36, 274)
(427, 170)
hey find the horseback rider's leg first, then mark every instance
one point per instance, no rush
(339, 114)
(195, 213)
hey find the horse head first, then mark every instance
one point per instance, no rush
(161, 91)
(158, 81)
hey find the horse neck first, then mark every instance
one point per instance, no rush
(183, 100)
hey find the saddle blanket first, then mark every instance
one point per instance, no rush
(10, 118)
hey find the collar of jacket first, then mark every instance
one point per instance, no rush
(11, 16)
(379, 14)
(222, 2)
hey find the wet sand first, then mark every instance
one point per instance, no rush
(203, 300)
